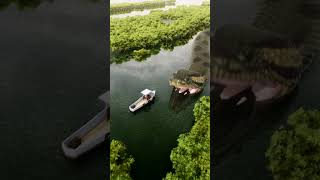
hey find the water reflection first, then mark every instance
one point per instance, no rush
(141, 13)
(231, 121)
(147, 11)
(179, 102)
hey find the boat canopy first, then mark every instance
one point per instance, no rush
(146, 92)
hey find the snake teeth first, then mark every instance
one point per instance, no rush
(242, 100)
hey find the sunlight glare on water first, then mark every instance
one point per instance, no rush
(147, 11)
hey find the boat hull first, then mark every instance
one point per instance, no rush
(138, 104)
(89, 135)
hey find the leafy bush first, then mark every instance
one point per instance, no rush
(191, 158)
(120, 161)
(153, 32)
(123, 8)
(294, 152)
(141, 54)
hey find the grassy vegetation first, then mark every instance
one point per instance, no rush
(191, 158)
(123, 8)
(294, 152)
(120, 161)
(139, 37)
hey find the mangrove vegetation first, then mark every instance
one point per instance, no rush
(139, 37)
(294, 151)
(120, 161)
(123, 8)
(191, 158)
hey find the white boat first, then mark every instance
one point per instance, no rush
(89, 135)
(147, 96)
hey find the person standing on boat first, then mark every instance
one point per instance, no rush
(147, 97)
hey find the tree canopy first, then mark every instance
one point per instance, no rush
(294, 152)
(120, 161)
(139, 37)
(191, 158)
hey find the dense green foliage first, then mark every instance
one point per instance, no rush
(139, 37)
(294, 152)
(191, 158)
(120, 161)
(123, 8)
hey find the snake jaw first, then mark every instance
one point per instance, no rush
(263, 90)
(245, 57)
(187, 81)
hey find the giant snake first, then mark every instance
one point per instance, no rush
(267, 57)
(192, 80)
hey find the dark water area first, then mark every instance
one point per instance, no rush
(52, 69)
(151, 133)
(247, 158)
(245, 131)
(235, 12)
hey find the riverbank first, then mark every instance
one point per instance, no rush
(123, 8)
(139, 37)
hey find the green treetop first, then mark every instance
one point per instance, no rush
(191, 158)
(294, 152)
(120, 161)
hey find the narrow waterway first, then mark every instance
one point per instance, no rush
(152, 132)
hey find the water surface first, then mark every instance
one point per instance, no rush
(147, 11)
(52, 69)
(152, 132)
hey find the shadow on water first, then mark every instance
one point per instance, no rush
(179, 102)
(234, 121)
(234, 124)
